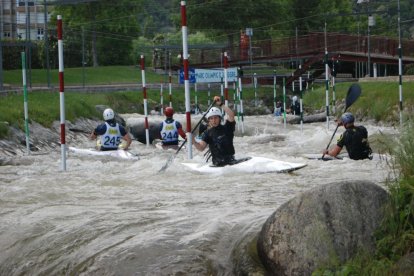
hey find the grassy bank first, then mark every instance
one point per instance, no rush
(378, 101)
(89, 75)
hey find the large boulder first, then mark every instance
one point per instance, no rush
(138, 131)
(323, 226)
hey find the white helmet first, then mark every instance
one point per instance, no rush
(214, 111)
(295, 98)
(108, 114)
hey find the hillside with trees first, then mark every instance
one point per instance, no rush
(100, 33)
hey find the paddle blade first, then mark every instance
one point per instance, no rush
(168, 163)
(353, 94)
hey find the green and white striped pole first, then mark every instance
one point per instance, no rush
(26, 108)
(326, 82)
(333, 87)
(209, 94)
(240, 97)
(241, 104)
(255, 89)
(195, 99)
(400, 90)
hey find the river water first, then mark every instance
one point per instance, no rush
(105, 216)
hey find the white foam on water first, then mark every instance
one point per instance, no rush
(105, 216)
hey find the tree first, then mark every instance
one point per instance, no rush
(109, 26)
(311, 15)
(218, 18)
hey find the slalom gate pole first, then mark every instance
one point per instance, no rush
(61, 94)
(301, 100)
(237, 102)
(195, 99)
(26, 109)
(255, 89)
(186, 79)
(226, 85)
(400, 90)
(326, 82)
(209, 94)
(234, 91)
(274, 91)
(170, 88)
(162, 98)
(222, 89)
(144, 92)
(284, 102)
(333, 87)
(241, 105)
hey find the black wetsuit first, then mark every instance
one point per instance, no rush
(355, 139)
(220, 142)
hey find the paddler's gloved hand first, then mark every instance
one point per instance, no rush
(217, 99)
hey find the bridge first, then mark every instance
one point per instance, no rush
(347, 54)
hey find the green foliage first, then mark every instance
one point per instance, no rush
(44, 107)
(4, 130)
(110, 29)
(397, 232)
(144, 46)
(311, 15)
(75, 76)
(381, 97)
(226, 18)
(12, 55)
(395, 236)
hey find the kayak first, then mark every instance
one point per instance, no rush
(120, 153)
(344, 156)
(159, 145)
(247, 165)
(318, 156)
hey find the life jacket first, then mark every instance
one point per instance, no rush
(220, 145)
(111, 138)
(356, 143)
(169, 132)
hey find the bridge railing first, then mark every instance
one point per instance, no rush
(311, 42)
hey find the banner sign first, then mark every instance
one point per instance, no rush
(209, 75)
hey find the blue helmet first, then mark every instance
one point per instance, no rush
(347, 118)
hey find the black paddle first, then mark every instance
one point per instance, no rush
(353, 94)
(172, 157)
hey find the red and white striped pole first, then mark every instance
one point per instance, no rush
(170, 88)
(186, 79)
(161, 98)
(226, 86)
(62, 95)
(144, 91)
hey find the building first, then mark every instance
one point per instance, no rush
(15, 15)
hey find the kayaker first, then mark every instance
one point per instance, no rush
(170, 129)
(111, 133)
(219, 137)
(355, 139)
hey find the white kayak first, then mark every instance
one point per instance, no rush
(318, 156)
(159, 145)
(252, 165)
(120, 153)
